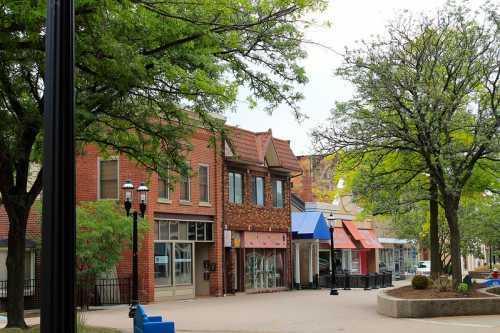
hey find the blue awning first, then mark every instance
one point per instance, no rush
(309, 225)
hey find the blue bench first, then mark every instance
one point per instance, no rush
(151, 324)
(492, 282)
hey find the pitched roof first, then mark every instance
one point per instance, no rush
(252, 147)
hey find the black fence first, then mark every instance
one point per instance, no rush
(93, 292)
(366, 281)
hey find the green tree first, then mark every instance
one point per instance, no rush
(429, 87)
(395, 184)
(104, 232)
(139, 65)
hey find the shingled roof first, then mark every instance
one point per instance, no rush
(252, 147)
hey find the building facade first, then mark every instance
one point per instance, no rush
(179, 255)
(257, 207)
(361, 246)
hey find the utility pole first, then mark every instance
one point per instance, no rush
(59, 220)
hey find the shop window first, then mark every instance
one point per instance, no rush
(355, 262)
(183, 263)
(192, 231)
(235, 188)
(108, 179)
(209, 232)
(174, 231)
(162, 261)
(258, 191)
(204, 184)
(183, 230)
(164, 231)
(265, 268)
(200, 231)
(324, 262)
(277, 193)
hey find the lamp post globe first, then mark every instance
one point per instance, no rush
(143, 197)
(128, 188)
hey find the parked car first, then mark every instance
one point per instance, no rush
(424, 268)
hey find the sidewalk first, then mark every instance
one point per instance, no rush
(306, 311)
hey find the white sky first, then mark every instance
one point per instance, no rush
(351, 20)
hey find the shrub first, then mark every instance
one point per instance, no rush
(420, 282)
(463, 288)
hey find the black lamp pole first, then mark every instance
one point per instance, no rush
(59, 219)
(333, 284)
(142, 190)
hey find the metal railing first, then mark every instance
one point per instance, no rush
(89, 292)
(365, 281)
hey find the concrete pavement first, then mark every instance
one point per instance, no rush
(306, 311)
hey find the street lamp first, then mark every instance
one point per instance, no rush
(333, 282)
(142, 190)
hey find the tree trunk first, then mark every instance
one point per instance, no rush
(451, 210)
(18, 218)
(436, 266)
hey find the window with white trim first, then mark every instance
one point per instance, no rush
(108, 179)
(235, 187)
(203, 180)
(277, 193)
(163, 188)
(185, 188)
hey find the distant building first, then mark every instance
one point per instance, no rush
(368, 245)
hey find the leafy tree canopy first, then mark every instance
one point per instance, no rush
(103, 233)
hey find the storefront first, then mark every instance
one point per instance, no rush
(181, 264)
(397, 256)
(265, 260)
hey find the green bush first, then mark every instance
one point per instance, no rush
(420, 282)
(463, 288)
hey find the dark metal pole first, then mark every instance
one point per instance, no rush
(135, 273)
(491, 259)
(333, 284)
(59, 220)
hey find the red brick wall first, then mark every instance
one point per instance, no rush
(202, 153)
(248, 217)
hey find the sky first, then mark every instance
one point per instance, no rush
(351, 21)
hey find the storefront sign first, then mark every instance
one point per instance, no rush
(265, 240)
(227, 238)
(161, 260)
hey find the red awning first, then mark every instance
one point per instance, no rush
(369, 240)
(353, 230)
(341, 239)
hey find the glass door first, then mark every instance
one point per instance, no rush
(163, 263)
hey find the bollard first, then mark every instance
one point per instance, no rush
(389, 279)
(374, 280)
(367, 281)
(384, 280)
(347, 280)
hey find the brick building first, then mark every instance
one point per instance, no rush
(182, 252)
(257, 189)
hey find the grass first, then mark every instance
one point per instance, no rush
(36, 329)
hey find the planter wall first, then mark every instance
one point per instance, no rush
(424, 308)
